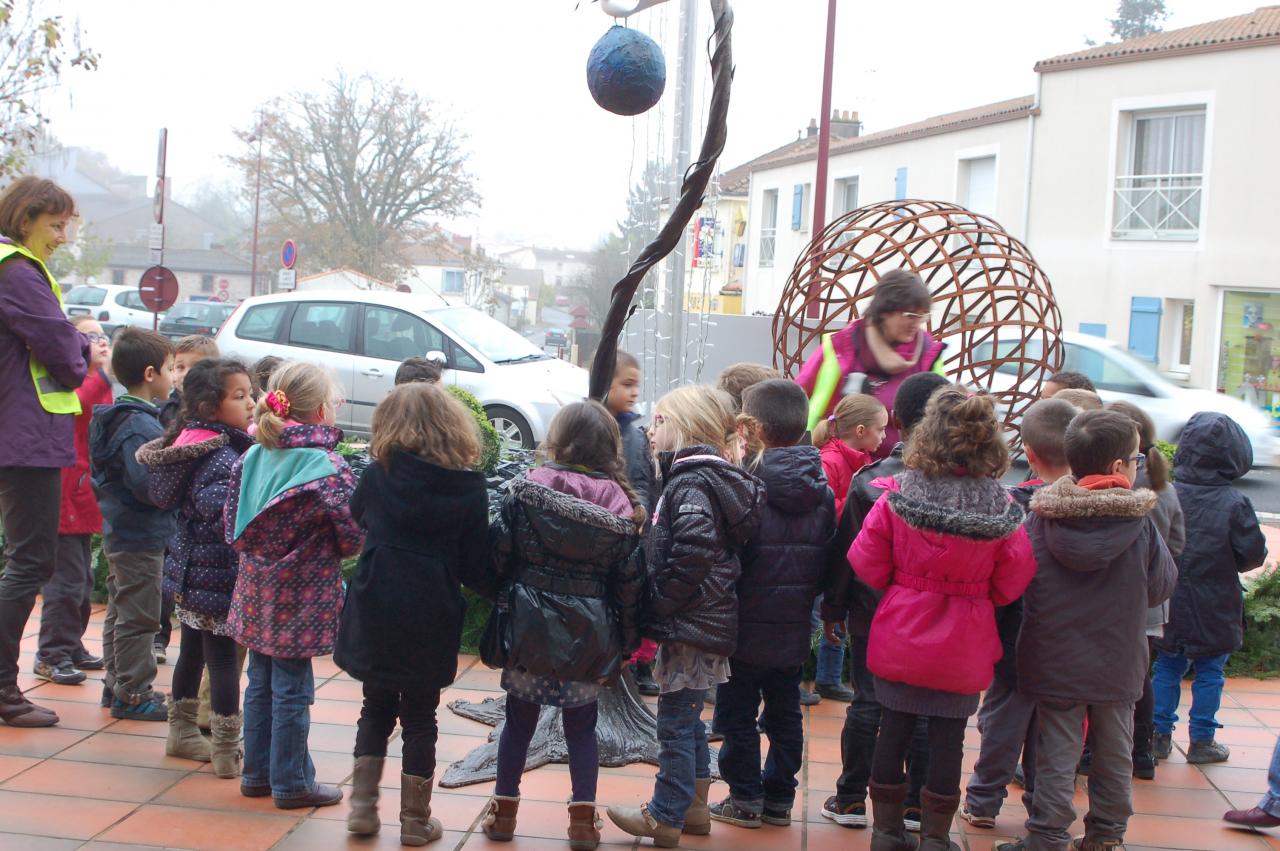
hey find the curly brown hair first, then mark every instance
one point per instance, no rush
(425, 420)
(584, 434)
(958, 435)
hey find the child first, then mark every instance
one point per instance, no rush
(134, 529)
(1223, 540)
(782, 571)
(190, 467)
(1082, 652)
(567, 546)
(1169, 521)
(62, 657)
(1085, 400)
(738, 377)
(419, 369)
(708, 510)
(1006, 721)
(1066, 380)
(263, 368)
(426, 520)
(848, 438)
(288, 518)
(946, 544)
(849, 603)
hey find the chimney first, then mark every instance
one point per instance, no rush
(845, 124)
(812, 129)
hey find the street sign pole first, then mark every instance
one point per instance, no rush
(156, 242)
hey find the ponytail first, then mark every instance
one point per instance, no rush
(297, 391)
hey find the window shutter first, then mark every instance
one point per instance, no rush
(1144, 327)
(900, 184)
(797, 206)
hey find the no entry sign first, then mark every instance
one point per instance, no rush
(158, 289)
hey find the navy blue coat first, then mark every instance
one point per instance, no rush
(131, 522)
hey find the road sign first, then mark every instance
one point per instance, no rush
(155, 238)
(287, 279)
(288, 254)
(158, 289)
(157, 204)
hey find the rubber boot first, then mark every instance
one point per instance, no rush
(697, 819)
(228, 751)
(417, 827)
(584, 826)
(185, 739)
(936, 814)
(363, 818)
(888, 832)
(500, 822)
(638, 821)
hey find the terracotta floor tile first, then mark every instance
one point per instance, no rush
(339, 738)
(201, 830)
(821, 727)
(323, 667)
(1177, 776)
(334, 712)
(1257, 737)
(448, 722)
(1235, 779)
(453, 693)
(11, 765)
(89, 692)
(39, 742)
(1190, 803)
(208, 792)
(479, 680)
(50, 815)
(1269, 717)
(822, 775)
(27, 842)
(94, 780)
(1246, 756)
(78, 715)
(1240, 717)
(315, 834)
(114, 749)
(1257, 700)
(1241, 685)
(114, 846)
(347, 690)
(388, 807)
(1194, 834)
(479, 842)
(138, 728)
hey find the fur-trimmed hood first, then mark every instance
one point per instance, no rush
(1088, 530)
(978, 509)
(543, 499)
(173, 467)
(1066, 500)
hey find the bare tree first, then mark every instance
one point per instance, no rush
(33, 54)
(357, 173)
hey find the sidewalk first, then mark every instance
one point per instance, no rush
(97, 783)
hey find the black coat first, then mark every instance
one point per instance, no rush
(846, 596)
(571, 572)
(708, 511)
(1223, 539)
(426, 532)
(1009, 618)
(639, 458)
(200, 565)
(784, 564)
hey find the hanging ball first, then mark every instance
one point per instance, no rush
(626, 71)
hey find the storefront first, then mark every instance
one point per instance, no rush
(1249, 349)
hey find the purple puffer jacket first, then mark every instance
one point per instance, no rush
(32, 321)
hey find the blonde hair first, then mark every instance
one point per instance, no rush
(735, 379)
(424, 420)
(307, 387)
(959, 435)
(855, 410)
(701, 415)
(199, 344)
(1082, 399)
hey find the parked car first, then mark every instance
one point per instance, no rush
(113, 305)
(562, 301)
(195, 317)
(1119, 375)
(362, 337)
(556, 338)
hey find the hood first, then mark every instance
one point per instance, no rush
(1091, 529)
(572, 528)
(962, 523)
(172, 467)
(1213, 450)
(318, 436)
(596, 489)
(426, 497)
(793, 479)
(105, 432)
(738, 493)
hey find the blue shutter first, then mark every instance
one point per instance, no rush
(797, 206)
(1144, 327)
(1096, 329)
(900, 184)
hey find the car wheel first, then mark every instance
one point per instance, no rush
(511, 427)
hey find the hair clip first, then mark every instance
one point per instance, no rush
(278, 403)
(831, 419)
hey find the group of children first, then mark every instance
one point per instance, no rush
(709, 536)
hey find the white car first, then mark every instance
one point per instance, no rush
(113, 305)
(1119, 375)
(362, 337)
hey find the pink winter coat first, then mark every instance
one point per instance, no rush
(840, 461)
(948, 552)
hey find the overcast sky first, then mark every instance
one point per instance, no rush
(552, 167)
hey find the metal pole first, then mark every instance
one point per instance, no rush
(680, 157)
(824, 154)
(257, 197)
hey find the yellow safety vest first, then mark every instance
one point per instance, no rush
(54, 397)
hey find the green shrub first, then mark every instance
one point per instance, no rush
(1167, 449)
(1260, 656)
(478, 609)
(490, 442)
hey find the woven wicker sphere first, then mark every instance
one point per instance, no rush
(986, 287)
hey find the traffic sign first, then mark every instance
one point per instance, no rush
(288, 254)
(158, 289)
(287, 279)
(157, 205)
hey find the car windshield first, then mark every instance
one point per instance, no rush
(491, 338)
(195, 311)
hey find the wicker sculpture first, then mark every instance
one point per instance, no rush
(992, 304)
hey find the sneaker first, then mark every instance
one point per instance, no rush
(836, 691)
(1019, 779)
(645, 683)
(730, 813)
(251, 791)
(89, 662)
(162, 653)
(808, 698)
(984, 822)
(63, 673)
(107, 696)
(911, 819)
(1090, 843)
(1010, 845)
(151, 708)
(849, 815)
(1162, 745)
(1208, 751)
(776, 816)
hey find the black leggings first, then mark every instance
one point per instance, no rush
(200, 648)
(946, 749)
(417, 714)
(579, 736)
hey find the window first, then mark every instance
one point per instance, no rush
(206, 283)
(800, 206)
(395, 335)
(1109, 369)
(1184, 324)
(846, 196)
(769, 227)
(454, 282)
(1158, 194)
(131, 300)
(322, 325)
(262, 322)
(86, 295)
(117, 277)
(978, 185)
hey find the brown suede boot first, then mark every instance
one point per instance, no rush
(500, 822)
(417, 827)
(184, 738)
(936, 813)
(227, 747)
(888, 832)
(697, 819)
(584, 826)
(363, 818)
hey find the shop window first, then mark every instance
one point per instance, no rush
(1249, 364)
(769, 227)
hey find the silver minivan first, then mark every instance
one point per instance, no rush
(361, 337)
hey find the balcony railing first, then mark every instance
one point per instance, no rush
(1158, 206)
(768, 239)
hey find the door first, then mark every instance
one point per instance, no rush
(322, 332)
(387, 337)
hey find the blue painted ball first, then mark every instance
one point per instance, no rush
(626, 71)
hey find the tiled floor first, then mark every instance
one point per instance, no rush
(96, 783)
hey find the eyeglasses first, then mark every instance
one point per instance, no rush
(1140, 460)
(915, 317)
(95, 337)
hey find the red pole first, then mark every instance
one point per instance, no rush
(824, 153)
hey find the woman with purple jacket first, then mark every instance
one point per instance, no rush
(43, 358)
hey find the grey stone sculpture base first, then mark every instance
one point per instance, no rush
(626, 729)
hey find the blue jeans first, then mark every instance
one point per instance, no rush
(830, 656)
(683, 756)
(277, 718)
(1270, 803)
(1206, 693)
(737, 703)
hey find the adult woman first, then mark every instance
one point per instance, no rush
(42, 359)
(881, 348)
